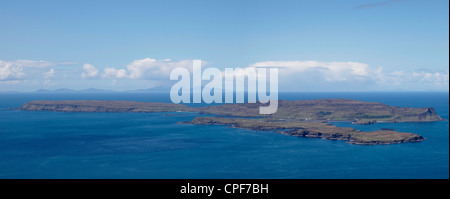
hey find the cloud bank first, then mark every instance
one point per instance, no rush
(294, 75)
(351, 76)
(15, 70)
(147, 69)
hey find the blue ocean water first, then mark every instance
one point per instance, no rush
(153, 145)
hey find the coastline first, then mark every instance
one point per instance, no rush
(285, 121)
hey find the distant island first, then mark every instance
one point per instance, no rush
(304, 118)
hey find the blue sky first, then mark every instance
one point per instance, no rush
(348, 45)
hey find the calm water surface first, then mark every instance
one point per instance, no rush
(153, 145)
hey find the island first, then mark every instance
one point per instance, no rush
(302, 118)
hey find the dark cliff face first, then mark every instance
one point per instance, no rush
(428, 114)
(431, 113)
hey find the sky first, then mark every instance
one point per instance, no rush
(327, 45)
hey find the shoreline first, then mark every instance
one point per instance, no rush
(302, 118)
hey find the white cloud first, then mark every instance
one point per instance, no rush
(10, 71)
(155, 69)
(423, 80)
(49, 74)
(89, 71)
(322, 76)
(17, 69)
(349, 76)
(145, 69)
(331, 71)
(114, 73)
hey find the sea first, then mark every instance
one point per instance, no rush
(57, 145)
